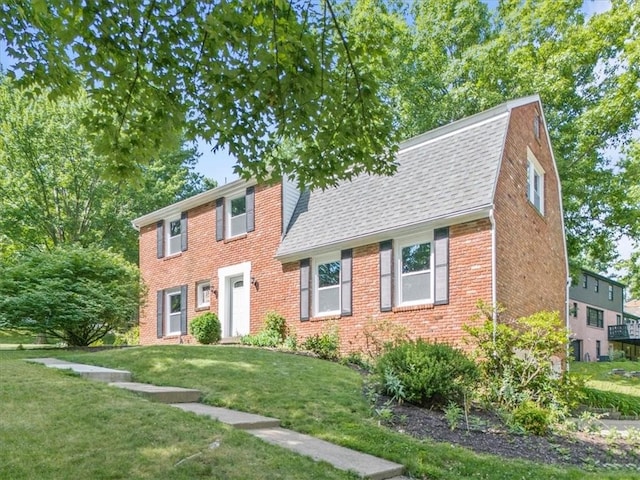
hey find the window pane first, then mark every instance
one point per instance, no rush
(204, 291)
(416, 258)
(174, 228)
(329, 299)
(175, 244)
(174, 322)
(416, 287)
(238, 225)
(174, 303)
(238, 206)
(328, 274)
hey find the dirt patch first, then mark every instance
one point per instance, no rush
(486, 433)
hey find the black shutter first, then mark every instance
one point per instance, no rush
(219, 219)
(250, 206)
(346, 263)
(386, 276)
(160, 312)
(183, 231)
(183, 310)
(305, 287)
(160, 238)
(441, 260)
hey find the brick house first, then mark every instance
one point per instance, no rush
(473, 212)
(596, 303)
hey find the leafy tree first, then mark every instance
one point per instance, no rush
(245, 74)
(72, 293)
(453, 58)
(54, 189)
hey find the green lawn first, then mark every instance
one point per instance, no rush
(122, 436)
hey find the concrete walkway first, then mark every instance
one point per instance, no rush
(266, 428)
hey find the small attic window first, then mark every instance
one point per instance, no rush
(536, 126)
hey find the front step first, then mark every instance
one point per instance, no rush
(241, 420)
(365, 465)
(161, 394)
(230, 341)
(91, 372)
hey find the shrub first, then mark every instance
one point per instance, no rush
(130, 337)
(515, 359)
(326, 344)
(276, 324)
(206, 328)
(74, 294)
(628, 405)
(273, 334)
(426, 373)
(264, 338)
(531, 418)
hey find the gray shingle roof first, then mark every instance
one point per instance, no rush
(444, 173)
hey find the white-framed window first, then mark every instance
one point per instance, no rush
(326, 284)
(596, 286)
(414, 272)
(173, 311)
(236, 216)
(203, 294)
(610, 293)
(174, 236)
(535, 182)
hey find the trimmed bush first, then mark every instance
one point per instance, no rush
(206, 328)
(426, 374)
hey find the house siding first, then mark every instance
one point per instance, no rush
(469, 281)
(531, 265)
(205, 256)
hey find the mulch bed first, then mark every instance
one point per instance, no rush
(488, 434)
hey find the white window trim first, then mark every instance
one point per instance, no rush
(399, 244)
(168, 236)
(328, 258)
(533, 166)
(200, 303)
(228, 217)
(167, 309)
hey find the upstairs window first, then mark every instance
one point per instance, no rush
(585, 281)
(595, 317)
(414, 272)
(610, 293)
(535, 182)
(327, 282)
(172, 235)
(235, 215)
(596, 286)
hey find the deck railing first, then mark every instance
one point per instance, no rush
(625, 331)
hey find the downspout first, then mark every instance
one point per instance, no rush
(494, 282)
(566, 320)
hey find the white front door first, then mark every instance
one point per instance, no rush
(238, 312)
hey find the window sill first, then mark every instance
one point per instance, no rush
(203, 308)
(535, 209)
(233, 239)
(173, 255)
(323, 318)
(412, 308)
(594, 326)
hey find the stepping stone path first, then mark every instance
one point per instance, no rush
(266, 428)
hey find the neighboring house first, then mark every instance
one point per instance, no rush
(473, 212)
(596, 306)
(627, 337)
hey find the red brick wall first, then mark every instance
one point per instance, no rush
(470, 280)
(205, 256)
(531, 263)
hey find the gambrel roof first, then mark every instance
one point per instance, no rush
(447, 173)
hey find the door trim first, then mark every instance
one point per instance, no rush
(224, 293)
